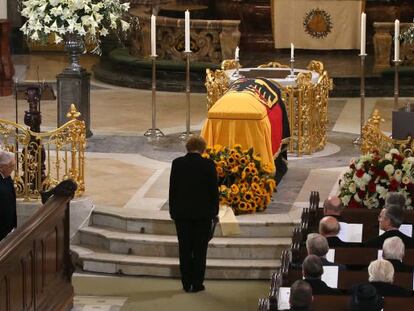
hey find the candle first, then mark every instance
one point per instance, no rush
(397, 40)
(153, 36)
(236, 54)
(292, 51)
(3, 9)
(363, 32)
(187, 31)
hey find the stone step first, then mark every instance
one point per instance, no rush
(97, 260)
(159, 222)
(121, 242)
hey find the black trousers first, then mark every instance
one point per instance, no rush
(193, 237)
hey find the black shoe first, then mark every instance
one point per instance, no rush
(198, 288)
(188, 289)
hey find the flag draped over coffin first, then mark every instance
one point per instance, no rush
(252, 114)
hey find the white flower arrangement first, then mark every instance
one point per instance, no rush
(408, 35)
(90, 19)
(368, 180)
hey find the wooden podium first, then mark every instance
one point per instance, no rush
(6, 65)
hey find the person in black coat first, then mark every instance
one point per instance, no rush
(194, 203)
(381, 276)
(300, 298)
(390, 219)
(312, 271)
(393, 250)
(8, 217)
(317, 244)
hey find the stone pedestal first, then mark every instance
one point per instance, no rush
(73, 87)
(6, 65)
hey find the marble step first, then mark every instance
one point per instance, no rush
(159, 222)
(93, 259)
(121, 242)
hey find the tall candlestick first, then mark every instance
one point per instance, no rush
(153, 36)
(292, 50)
(3, 9)
(397, 40)
(187, 31)
(363, 33)
(236, 54)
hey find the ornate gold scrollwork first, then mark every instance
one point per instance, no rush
(306, 104)
(228, 64)
(63, 150)
(373, 139)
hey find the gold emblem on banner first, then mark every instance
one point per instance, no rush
(318, 23)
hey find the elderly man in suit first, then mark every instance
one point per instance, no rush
(390, 219)
(194, 203)
(329, 227)
(332, 206)
(317, 244)
(8, 218)
(393, 250)
(300, 298)
(312, 271)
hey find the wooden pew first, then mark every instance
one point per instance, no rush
(35, 261)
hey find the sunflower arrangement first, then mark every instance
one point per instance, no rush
(246, 183)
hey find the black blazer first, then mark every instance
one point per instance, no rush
(8, 217)
(388, 289)
(193, 188)
(399, 266)
(378, 241)
(319, 287)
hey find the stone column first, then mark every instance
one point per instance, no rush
(73, 87)
(6, 65)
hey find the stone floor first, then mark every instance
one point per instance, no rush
(126, 171)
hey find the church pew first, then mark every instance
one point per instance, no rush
(357, 256)
(346, 279)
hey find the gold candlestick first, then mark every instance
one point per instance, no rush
(154, 132)
(358, 140)
(185, 135)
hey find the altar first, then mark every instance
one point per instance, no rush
(305, 98)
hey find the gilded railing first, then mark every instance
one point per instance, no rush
(373, 139)
(306, 103)
(45, 159)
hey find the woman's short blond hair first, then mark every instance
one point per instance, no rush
(381, 270)
(196, 144)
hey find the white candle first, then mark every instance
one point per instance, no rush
(187, 31)
(153, 36)
(292, 51)
(363, 33)
(3, 9)
(397, 40)
(236, 54)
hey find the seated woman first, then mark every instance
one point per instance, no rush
(381, 276)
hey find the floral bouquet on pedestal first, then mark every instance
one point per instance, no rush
(246, 184)
(89, 19)
(371, 177)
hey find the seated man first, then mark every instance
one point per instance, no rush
(329, 228)
(312, 271)
(317, 244)
(8, 216)
(381, 276)
(393, 250)
(364, 297)
(390, 220)
(332, 206)
(300, 296)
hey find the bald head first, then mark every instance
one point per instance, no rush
(332, 206)
(329, 226)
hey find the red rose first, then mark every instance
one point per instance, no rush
(393, 185)
(359, 173)
(354, 204)
(398, 158)
(382, 174)
(361, 194)
(372, 187)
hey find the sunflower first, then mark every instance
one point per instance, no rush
(231, 160)
(237, 146)
(235, 169)
(251, 165)
(257, 158)
(222, 163)
(243, 175)
(255, 187)
(236, 200)
(256, 179)
(249, 207)
(237, 156)
(220, 171)
(247, 170)
(217, 148)
(248, 196)
(271, 183)
(242, 206)
(234, 189)
(254, 171)
(243, 161)
(223, 189)
(267, 169)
